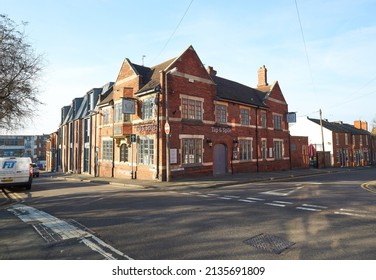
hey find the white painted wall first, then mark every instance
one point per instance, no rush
(306, 127)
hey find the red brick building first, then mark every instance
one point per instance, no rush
(214, 125)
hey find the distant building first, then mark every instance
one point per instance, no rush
(348, 145)
(33, 146)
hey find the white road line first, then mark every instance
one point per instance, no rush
(64, 230)
(203, 195)
(280, 193)
(255, 198)
(185, 193)
(275, 204)
(353, 210)
(232, 196)
(350, 214)
(315, 206)
(245, 200)
(225, 197)
(308, 209)
(212, 194)
(283, 202)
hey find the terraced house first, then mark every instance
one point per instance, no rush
(348, 145)
(175, 119)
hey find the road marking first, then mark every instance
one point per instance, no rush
(283, 202)
(225, 197)
(232, 196)
(275, 204)
(352, 212)
(212, 194)
(280, 192)
(15, 197)
(195, 193)
(255, 198)
(245, 200)
(203, 195)
(63, 230)
(308, 209)
(315, 206)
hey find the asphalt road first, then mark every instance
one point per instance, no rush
(319, 217)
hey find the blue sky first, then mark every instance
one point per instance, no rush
(85, 42)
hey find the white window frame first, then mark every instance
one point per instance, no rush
(192, 151)
(191, 107)
(106, 116)
(263, 118)
(245, 149)
(277, 121)
(221, 113)
(264, 148)
(145, 150)
(244, 116)
(107, 149)
(278, 149)
(148, 108)
(119, 117)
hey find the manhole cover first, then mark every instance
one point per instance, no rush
(269, 243)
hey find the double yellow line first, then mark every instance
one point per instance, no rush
(12, 197)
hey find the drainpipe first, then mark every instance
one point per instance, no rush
(158, 89)
(113, 141)
(257, 142)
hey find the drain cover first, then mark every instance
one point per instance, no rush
(269, 243)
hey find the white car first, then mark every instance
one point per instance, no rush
(16, 171)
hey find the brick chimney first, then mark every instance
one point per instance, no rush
(361, 125)
(211, 71)
(262, 76)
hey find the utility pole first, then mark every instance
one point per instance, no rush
(167, 125)
(322, 138)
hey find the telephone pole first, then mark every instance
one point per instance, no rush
(322, 138)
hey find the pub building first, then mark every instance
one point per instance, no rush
(178, 119)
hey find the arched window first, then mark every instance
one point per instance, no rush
(124, 153)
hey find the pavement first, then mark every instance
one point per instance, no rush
(197, 182)
(207, 181)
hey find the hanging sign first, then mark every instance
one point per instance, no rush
(128, 106)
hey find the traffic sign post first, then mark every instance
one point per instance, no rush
(167, 128)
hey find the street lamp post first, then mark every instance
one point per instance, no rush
(168, 131)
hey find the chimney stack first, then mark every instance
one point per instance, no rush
(361, 125)
(211, 71)
(262, 77)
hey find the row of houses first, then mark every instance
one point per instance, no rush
(346, 145)
(176, 119)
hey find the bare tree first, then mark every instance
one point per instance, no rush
(20, 69)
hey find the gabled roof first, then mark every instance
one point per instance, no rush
(340, 127)
(151, 76)
(233, 91)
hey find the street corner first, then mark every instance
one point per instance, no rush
(370, 186)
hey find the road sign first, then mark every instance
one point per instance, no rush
(167, 128)
(133, 138)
